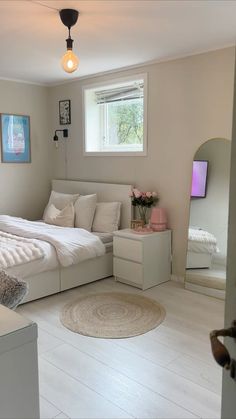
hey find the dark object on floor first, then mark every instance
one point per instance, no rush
(12, 290)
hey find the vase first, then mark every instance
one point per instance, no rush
(143, 214)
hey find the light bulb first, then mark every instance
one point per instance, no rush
(69, 61)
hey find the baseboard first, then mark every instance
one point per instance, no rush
(177, 278)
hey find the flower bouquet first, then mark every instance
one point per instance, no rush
(143, 201)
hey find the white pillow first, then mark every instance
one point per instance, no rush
(60, 200)
(63, 218)
(85, 207)
(107, 217)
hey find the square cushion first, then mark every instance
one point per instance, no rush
(107, 217)
(60, 200)
(85, 207)
(63, 218)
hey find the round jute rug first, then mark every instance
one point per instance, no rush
(112, 315)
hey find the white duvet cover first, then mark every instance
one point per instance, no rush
(72, 245)
(200, 241)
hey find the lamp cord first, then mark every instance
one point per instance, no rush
(66, 161)
(42, 4)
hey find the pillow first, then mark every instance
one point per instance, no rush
(60, 200)
(63, 218)
(12, 290)
(85, 207)
(107, 217)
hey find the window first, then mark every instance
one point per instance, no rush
(115, 117)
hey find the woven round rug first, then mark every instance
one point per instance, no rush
(112, 315)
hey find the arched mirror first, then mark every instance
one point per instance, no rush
(208, 219)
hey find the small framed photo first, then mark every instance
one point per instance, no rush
(64, 112)
(136, 224)
(15, 138)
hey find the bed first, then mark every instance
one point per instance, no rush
(47, 276)
(202, 245)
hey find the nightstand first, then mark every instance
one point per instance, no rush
(142, 260)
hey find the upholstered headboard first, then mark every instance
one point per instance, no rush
(106, 192)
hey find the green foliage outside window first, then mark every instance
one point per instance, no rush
(125, 122)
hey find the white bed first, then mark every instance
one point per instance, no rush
(45, 276)
(202, 245)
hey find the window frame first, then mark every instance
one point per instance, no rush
(145, 100)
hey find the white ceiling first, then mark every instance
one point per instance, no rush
(109, 34)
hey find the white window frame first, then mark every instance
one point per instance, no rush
(145, 99)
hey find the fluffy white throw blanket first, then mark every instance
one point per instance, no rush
(207, 240)
(16, 250)
(72, 245)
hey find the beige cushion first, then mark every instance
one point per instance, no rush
(62, 218)
(107, 217)
(85, 207)
(60, 200)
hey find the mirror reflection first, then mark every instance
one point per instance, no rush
(208, 219)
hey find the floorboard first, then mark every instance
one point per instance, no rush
(168, 372)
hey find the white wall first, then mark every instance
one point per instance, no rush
(24, 186)
(211, 213)
(190, 100)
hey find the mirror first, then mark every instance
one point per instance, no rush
(208, 219)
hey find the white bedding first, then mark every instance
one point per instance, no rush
(72, 245)
(47, 263)
(15, 250)
(50, 261)
(200, 241)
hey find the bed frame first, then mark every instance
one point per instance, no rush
(198, 260)
(60, 279)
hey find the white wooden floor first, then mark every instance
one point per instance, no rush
(166, 373)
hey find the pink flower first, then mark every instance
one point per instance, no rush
(154, 194)
(131, 194)
(148, 194)
(137, 193)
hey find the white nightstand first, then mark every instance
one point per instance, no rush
(142, 260)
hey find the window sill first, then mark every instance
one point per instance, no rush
(115, 153)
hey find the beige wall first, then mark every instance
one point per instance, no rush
(189, 101)
(211, 213)
(24, 186)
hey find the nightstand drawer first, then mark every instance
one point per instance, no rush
(128, 249)
(131, 271)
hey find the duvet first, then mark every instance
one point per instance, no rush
(72, 245)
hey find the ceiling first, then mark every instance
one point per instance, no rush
(109, 34)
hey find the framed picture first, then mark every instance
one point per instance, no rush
(15, 138)
(64, 112)
(134, 224)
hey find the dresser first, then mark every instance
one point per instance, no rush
(19, 390)
(142, 260)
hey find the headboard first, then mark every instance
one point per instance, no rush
(105, 192)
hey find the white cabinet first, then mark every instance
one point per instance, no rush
(19, 390)
(142, 260)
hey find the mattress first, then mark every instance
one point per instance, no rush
(50, 261)
(201, 241)
(107, 239)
